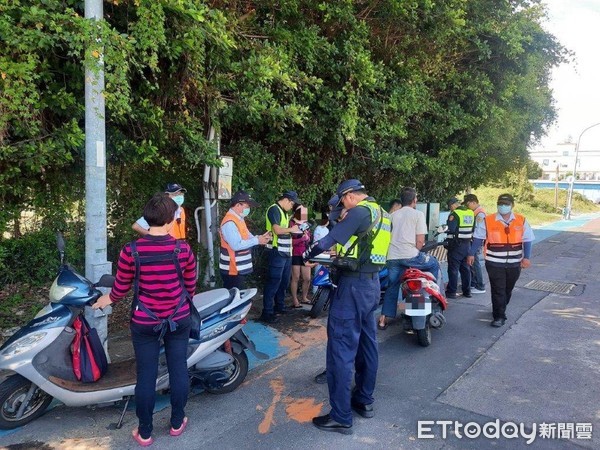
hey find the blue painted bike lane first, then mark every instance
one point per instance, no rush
(547, 231)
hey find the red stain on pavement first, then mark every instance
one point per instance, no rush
(302, 409)
(265, 425)
(298, 343)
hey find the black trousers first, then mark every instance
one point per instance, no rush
(502, 282)
(231, 281)
(147, 350)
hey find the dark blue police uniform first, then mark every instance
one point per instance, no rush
(458, 251)
(351, 327)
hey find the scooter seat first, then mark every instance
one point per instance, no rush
(208, 302)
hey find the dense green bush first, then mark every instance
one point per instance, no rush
(33, 258)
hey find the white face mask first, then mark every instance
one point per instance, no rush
(245, 212)
(178, 199)
(504, 209)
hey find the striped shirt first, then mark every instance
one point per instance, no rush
(159, 287)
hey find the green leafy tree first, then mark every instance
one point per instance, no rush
(304, 93)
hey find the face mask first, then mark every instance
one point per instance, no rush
(245, 212)
(504, 209)
(178, 199)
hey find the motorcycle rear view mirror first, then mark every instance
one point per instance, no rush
(60, 244)
(105, 281)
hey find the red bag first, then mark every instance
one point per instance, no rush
(89, 359)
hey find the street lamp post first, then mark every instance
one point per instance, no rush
(570, 197)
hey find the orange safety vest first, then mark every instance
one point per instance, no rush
(478, 210)
(230, 261)
(504, 242)
(178, 230)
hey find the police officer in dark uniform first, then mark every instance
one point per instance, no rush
(460, 232)
(362, 239)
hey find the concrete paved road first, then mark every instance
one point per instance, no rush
(541, 367)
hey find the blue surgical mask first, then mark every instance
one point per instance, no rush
(504, 209)
(178, 199)
(245, 212)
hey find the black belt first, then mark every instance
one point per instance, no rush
(366, 275)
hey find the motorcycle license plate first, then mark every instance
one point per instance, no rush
(416, 305)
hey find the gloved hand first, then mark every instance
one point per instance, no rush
(306, 254)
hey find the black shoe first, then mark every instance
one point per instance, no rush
(268, 318)
(321, 378)
(455, 295)
(326, 423)
(467, 295)
(498, 322)
(361, 409)
(282, 311)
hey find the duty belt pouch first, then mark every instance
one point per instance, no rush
(334, 275)
(345, 263)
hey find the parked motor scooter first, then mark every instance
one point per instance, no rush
(422, 302)
(36, 366)
(325, 289)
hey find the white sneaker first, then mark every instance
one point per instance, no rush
(477, 291)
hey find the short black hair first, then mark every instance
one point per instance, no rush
(407, 195)
(160, 210)
(470, 198)
(395, 202)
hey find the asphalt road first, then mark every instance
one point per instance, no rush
(541, 367)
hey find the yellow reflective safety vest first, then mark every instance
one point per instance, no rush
(466, 222)
(283, 242)
(379, 236)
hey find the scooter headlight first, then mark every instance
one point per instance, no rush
(57, 291)
(24, 344)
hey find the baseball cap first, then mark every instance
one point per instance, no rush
(174, 187)
(293, 196)
(350, 185)
(333, 201)
(451, 201)
(335, 213)
(505, 199)
(243, 197)
(470, 198)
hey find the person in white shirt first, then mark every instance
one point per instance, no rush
(408, 237)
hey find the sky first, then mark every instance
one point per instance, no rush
(576, 86)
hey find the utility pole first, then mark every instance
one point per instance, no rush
(96, 263)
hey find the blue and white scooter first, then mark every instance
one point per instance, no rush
(325, 287)
(35, 363)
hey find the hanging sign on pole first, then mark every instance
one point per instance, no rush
(225, 177)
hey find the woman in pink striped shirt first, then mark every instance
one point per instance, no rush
(159, 293)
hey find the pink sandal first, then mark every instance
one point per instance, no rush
(140, 440)
(178, 431)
